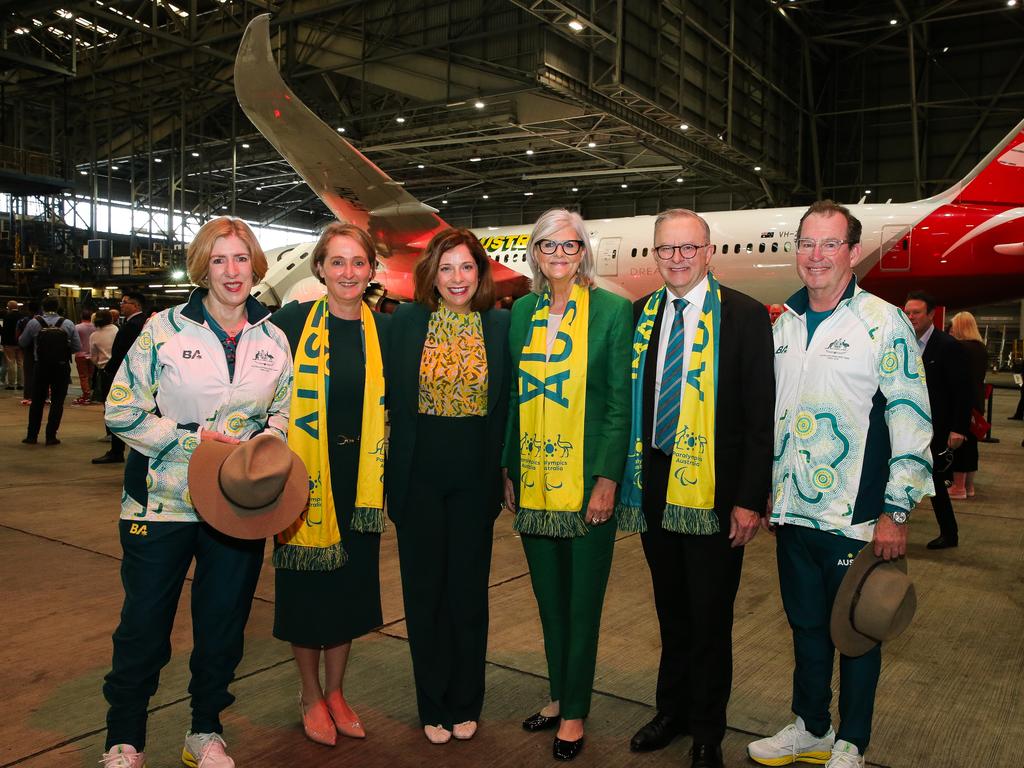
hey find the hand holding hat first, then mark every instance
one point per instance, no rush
(875, 602)
(249, 490)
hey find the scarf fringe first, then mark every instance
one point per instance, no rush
(368, 520)
(294, 557)
(541, 522)
(630, 518)
(701, 522)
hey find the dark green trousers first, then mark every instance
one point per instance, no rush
(157, 557)
(812, 564)
(444, 548)
(569, 577)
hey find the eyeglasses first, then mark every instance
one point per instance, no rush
(829, 246)
(686, 250)
(569, 247)
(943, 462)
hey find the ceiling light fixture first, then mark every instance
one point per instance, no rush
(757, 167)
(529, 151)
(624, 186)
(245, 145)
(684, 127)
(158, 159)
(679, 180)
(867, 191)
(340, 129)
(479, 104)
(475, 159)
(528, 194)
(444, 202)
(576, 25)
(893, 22)
(83, 173)
(113, 167)
(195, 154)
(399, 119)
(487, 197)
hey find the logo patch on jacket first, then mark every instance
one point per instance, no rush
(191, 354)
(264, 360)
(838, 349)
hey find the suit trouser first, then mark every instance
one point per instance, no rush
(444, 548)
(156, 558)
(812, 564)
(569, 577)
(941, 504)
(48, 380)
(695, 580)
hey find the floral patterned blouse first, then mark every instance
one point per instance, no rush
(453, 369)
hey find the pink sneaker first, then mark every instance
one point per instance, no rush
(205, 750)
(123, 756)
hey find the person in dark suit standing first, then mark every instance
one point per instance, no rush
(699, 472)
(132, 303)
(949, 394)
(448, 377)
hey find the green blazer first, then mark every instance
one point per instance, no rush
(408, 332)
(607, 419)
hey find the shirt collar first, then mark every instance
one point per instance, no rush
(693, 297)
(923, 341)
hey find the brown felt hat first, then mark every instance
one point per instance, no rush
(251, 490)
(875, 602)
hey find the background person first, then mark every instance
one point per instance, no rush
(564, 454)
(448, 383)
(28, 311)
(101, 344)
(83, 365)
(132, 303)
(210, 369)
(964, 329)
(13, 355)
(327, 577)
(50, 351)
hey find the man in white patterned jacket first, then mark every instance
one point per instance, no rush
(851, 460)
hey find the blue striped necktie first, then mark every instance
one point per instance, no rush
(671, 383)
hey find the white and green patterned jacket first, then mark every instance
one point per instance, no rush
(852, 420)
(175, 381)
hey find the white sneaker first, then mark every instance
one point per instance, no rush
(123, 756)
(845, 755)
(793, 744)
(205, 750)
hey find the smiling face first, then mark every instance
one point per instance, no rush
(826, 277)
(457, 278)
(678, 273)
(345, 269)
(230, 272)
(557, 267)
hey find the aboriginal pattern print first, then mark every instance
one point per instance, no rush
(453, 369)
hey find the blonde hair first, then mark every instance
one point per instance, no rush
(341, 229)
(197, 262)
(965, 328)
(550, 222)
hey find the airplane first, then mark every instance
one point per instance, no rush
(964, 245)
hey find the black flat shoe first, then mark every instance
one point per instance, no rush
(706, 756)
(538, 722)
(657, 734)
(566, 750)
(943, 543)
(108, 458)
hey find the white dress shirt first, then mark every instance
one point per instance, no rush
(922, 342)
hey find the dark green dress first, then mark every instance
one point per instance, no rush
(324, 608)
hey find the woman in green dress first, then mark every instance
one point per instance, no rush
(448, 379)
(327, 586)
(564, 454)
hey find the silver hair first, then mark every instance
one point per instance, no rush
(682, 213)
(550, 222)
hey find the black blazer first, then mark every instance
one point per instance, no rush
(123, 340)
(949, 386)
(402, 371)
(744, 410)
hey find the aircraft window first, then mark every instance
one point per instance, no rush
(750, 248)
(633, 254)
(304, 254)
(788, 246)
(775, 247)
(725, 248)
(760, 247)
(644, 254)
(290, 266)
(736, 248)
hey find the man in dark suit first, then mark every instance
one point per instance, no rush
(132, 303)
(949, 394)
(695, 576)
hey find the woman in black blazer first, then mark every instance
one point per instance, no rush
(448, 385)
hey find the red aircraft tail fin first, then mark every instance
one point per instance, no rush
(998, 179)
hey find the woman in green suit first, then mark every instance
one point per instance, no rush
(448, 380)
(327, 582)
(564, 454)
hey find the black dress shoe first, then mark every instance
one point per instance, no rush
(658, 733)
(566, 750)
(539, 722)
(706, 756)
(108, 458)
(52, 441)
(30, 440)
(943, 542)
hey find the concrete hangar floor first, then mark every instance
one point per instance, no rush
(951, 693)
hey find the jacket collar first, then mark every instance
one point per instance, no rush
(800, 301)
(255, 312)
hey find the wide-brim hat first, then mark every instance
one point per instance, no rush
(875, 602)
(250, 490)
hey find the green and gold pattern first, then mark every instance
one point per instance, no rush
(453, 369)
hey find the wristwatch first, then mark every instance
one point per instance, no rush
(898, 516)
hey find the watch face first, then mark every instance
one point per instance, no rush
(899, 517)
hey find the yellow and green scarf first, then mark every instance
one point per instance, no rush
(552, 406)
(313, 542)
(690, 502)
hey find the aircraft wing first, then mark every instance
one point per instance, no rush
(351, 186)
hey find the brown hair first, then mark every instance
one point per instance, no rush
(197, 262)
(828, 208)
(341, 229)
(427, 266)
(102, 318)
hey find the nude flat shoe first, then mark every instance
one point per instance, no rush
(344, 718)
(465, 730)
(437, 734)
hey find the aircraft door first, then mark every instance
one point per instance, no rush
(895, 247)
(607, 257)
